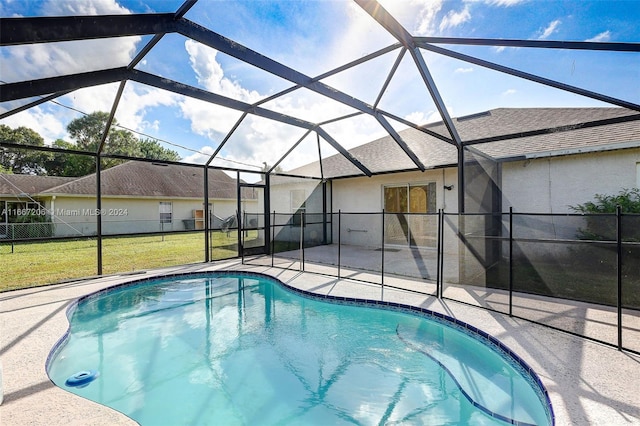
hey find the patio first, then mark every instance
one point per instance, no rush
(583, 389)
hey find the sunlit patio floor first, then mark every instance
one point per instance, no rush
(588, 383)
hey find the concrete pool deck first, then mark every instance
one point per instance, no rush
(588, 383)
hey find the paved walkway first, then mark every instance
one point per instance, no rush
(588, 383)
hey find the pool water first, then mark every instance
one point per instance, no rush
(243, 350)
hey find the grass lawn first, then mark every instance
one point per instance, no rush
(39, 263)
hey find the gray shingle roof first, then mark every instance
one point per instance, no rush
(134, 179)
(384, 154)
(612, 134)
(14, 184)
(142, 179)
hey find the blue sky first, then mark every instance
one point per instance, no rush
(315, 37)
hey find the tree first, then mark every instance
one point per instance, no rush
(152, 149)
(87, 133)
(18, 160)
(65, 164)
(266, 167)
(87, 130)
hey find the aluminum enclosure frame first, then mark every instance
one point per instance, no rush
(37, 30)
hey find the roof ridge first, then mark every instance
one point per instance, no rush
(82, 178)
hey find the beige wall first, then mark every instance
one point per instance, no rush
(280, 195)
(365, 194)
(551, 185)
(77, 215)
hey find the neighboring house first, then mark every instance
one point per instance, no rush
(136, 197)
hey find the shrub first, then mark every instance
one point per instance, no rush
(604, 228)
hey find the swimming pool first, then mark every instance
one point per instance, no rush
(239, 348)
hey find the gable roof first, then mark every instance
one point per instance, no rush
(132, 179)
(143, 179)
(384, 154)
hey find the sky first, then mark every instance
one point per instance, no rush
(314, 37)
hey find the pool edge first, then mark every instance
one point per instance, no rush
(381, 304)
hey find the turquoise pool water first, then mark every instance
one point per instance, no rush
(243, 350)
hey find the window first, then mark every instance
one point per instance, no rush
(166, 212)
(298, 199)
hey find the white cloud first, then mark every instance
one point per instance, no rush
(210, 74)
(46, 124)
(209, 120)
(154, 125)
(453, 18)
(550, 29)
(427, 13)
(421, 118)
(417, 117)
(64, 58)
(50, 121)
(509, 92)
(135, 102)
(604, 36)
(201, 157)
(308, 106)
(70, 57)
(463, 70)
(355, 131)
(254, 141)
(53, 59)
(505, 3)
(257, 139)
(85, 7)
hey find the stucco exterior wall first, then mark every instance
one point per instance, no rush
(285, 203)
(365, 194)
(280, 195)
(360, 195)
(552, 185)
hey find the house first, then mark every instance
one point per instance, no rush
(550, 162)
(136, 197)
(531, 160)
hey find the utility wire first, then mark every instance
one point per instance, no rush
(154, 137)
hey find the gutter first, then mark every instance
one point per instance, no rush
(570, 151)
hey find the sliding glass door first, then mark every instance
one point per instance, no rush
(406, 219)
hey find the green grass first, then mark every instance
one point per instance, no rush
(40, 263)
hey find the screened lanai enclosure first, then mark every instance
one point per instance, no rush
(424, 146)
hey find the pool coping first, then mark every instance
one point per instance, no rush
(582, 387)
